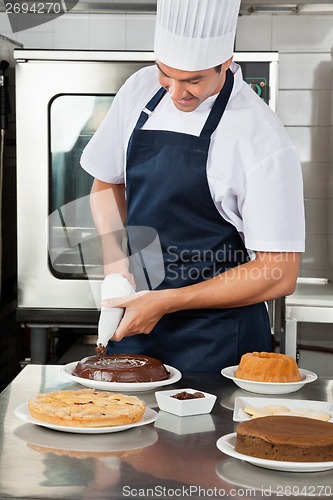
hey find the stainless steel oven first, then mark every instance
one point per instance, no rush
(61, 98)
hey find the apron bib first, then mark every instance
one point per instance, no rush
(167, 190)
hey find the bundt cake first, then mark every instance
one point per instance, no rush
(268, 367)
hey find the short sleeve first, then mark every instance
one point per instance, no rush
(273, 205)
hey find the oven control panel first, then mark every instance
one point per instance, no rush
(256, 74)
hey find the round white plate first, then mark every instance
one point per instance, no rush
(67, 372)
(23, 413)
(269, 387)
(226, 444)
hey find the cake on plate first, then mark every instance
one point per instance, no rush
(122, 368)
(268, 367)
(286, 438)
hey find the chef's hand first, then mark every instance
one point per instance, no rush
(142, 312)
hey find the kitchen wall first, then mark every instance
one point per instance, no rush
(305, 107)
(304, 102)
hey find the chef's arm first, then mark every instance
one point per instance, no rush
(108, 208)
(269, 276)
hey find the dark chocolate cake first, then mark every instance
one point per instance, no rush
(121, 368)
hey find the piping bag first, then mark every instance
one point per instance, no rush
(113, 286)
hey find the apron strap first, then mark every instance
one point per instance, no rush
(147, 111)
(219, 106)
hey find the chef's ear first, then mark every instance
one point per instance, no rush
(226, 64)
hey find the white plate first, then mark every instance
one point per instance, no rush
(23, 413)
(291, 404)
(269, 387)
(67, 372)
(226, 444)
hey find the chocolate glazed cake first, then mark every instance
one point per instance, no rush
(285, 438)
(121, 368)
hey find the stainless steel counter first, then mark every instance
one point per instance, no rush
(174, 457)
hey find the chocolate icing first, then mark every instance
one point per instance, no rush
(121, 368)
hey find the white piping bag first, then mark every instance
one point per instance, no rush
(113, 286)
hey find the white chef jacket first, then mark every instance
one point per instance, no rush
(253, 169)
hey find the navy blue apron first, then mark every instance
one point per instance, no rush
(167, 189)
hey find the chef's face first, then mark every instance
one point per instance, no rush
(188, 89)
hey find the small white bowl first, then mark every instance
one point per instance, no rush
(269, 387)
(184, 408)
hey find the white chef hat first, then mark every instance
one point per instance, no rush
(192, 35)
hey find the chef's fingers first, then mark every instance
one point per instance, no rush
(132, 324)
(141, 314)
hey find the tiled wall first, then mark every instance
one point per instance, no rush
(305, 107)
(88, 31)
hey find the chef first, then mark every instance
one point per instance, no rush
(189, 151)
